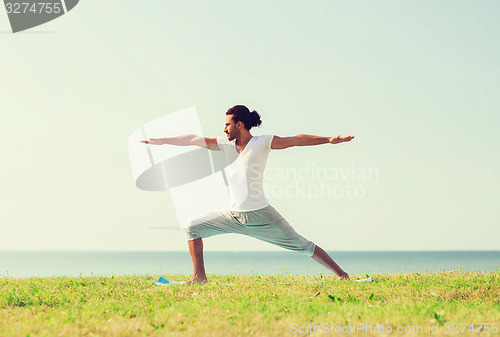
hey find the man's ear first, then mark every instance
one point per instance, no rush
(239, 124)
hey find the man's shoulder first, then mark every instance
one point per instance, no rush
(266, 139)
(223, 140)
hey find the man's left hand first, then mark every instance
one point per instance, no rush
(338, 139)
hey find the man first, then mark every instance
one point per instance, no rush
(250, 213)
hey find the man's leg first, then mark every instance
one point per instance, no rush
(196, 252)
(268, 225)
(210, 224)
(322, 257)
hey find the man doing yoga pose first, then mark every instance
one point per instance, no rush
(250, 212)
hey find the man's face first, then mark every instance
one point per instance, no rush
(230, 128)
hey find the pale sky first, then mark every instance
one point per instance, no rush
(415, 82)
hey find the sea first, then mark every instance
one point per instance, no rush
(24, 264)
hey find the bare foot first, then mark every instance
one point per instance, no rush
(344, 276)
(198, 280)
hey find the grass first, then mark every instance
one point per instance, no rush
(132, 306)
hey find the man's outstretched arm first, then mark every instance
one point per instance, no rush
(279, 143)
(186, 140)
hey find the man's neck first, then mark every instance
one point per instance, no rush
(243, 139)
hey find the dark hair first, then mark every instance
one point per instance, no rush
(242, 114)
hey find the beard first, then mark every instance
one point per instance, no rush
(230, 137)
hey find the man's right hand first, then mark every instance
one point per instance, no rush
(185, 140)
(153, 141)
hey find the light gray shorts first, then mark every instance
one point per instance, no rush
(265, 224)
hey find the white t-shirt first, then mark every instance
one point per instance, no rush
(245, 171)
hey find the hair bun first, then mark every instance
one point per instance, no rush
(255, 117)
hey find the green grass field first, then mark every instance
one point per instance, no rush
(132, 306)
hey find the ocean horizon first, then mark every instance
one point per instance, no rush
(23, 264)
